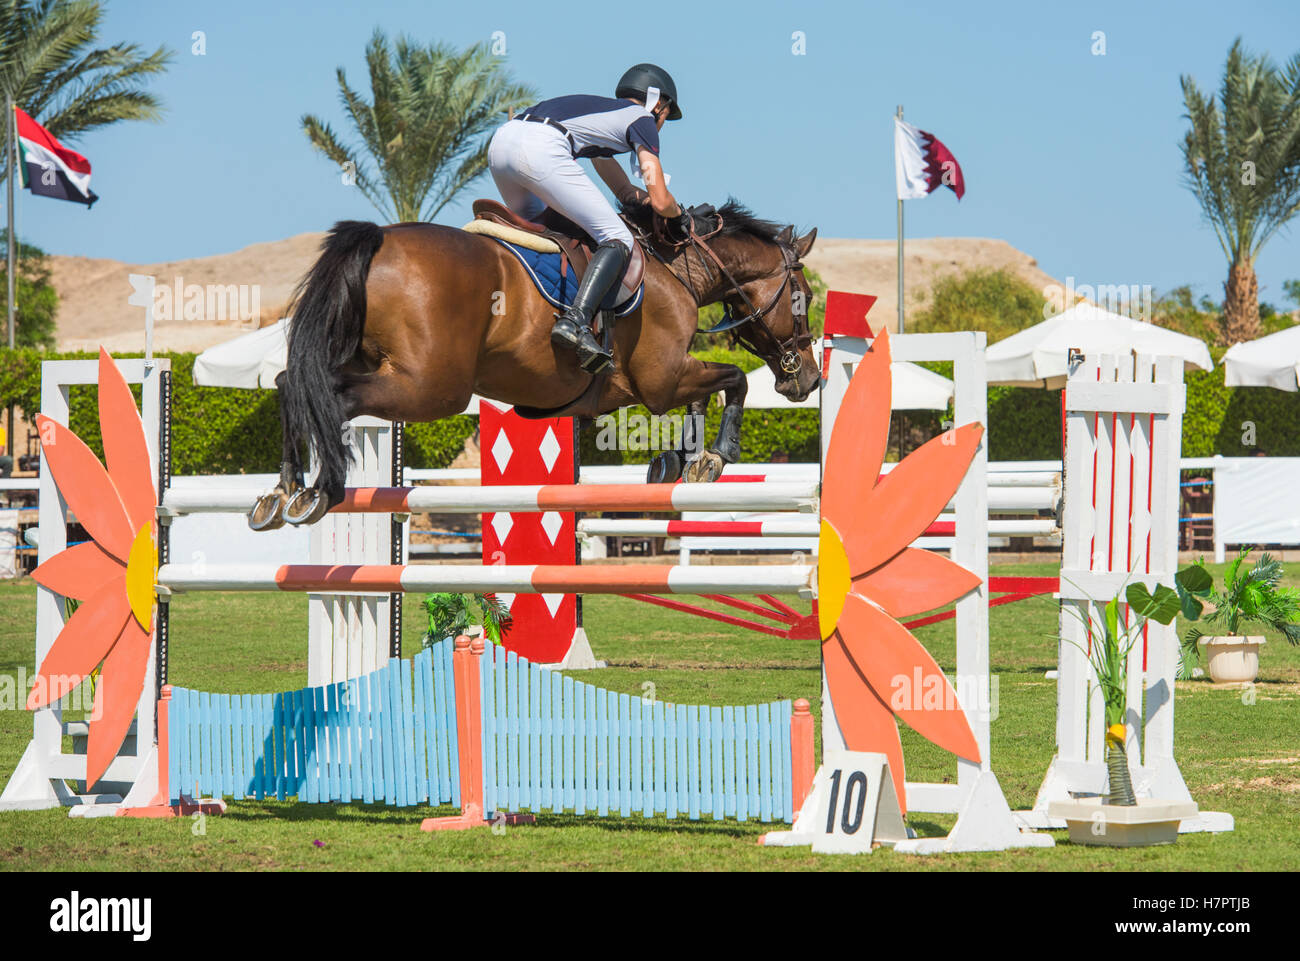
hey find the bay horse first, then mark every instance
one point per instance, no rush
(405, 322)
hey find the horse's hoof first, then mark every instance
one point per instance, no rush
(666, 468)
(268, 513)
(306, 507)
(705, 469)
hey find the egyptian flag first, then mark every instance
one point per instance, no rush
(922, 163)
(50, 169)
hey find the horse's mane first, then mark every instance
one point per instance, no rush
(736, 219)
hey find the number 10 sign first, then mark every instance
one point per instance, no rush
(852, 805)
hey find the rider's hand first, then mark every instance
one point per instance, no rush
(682, 223)
(633, 197)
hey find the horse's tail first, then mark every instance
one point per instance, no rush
(329, 310)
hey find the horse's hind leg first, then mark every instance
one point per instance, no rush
(693, 388)
(267, 513)
(667, 467)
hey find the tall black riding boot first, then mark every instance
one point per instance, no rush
(573, 327)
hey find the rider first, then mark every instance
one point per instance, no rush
(533, 159)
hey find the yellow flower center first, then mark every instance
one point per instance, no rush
(833, 580)
(141, 575)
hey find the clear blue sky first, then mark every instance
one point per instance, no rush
(1071, 157)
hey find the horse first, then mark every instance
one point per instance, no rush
(405, 322)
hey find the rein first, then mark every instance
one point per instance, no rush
(788, 347)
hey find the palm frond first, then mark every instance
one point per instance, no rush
(53, 71)
(425, 127)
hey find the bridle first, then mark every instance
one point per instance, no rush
(787, 347)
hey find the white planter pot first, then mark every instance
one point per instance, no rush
(1149, 822)
(1231, 660)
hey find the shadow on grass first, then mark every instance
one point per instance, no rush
(258, 812)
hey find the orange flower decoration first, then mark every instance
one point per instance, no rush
(112, 575)
(868, 576)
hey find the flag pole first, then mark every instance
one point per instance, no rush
(10, 445)
(9, 210)
(900, 247)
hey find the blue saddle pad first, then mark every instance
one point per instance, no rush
(560, 291)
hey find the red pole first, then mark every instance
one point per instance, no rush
(465, 669)
(801, 754)
(160, 806)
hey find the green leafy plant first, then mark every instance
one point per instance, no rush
(1112, 641)
(1249, 596)
(451, 615)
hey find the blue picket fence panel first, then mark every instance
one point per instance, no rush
(387, 737)
(552, 743)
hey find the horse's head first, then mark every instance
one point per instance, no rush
(770, 312)
(753, 268)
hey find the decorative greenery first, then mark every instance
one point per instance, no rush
(1111, 643)
(1241, 157)
(451, 615)
(1248, 597)
(425, 130)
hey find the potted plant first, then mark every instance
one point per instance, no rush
(451, 615)
(1249, 596)
(1119, 818)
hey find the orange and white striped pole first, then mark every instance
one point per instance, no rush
(528, 498)
(481, 579)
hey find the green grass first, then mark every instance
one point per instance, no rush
(1239, 757)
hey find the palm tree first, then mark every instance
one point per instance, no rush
(51, 69)
(425, 129)
(1242, 156)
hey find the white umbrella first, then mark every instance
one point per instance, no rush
(913, 388)
(251, 360)
(254, 360)
(1272, 361)
(1037, 356)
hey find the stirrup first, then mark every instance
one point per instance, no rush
(592, 356)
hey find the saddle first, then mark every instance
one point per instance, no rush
(572, 243)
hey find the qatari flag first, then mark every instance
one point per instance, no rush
(922, 163)
(50, 169)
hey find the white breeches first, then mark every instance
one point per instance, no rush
(534, 168)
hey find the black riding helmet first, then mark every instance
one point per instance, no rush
(639, 79)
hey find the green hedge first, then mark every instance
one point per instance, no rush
(215, 430)
(1238, 421)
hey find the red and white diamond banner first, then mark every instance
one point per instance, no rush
(519, 451)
